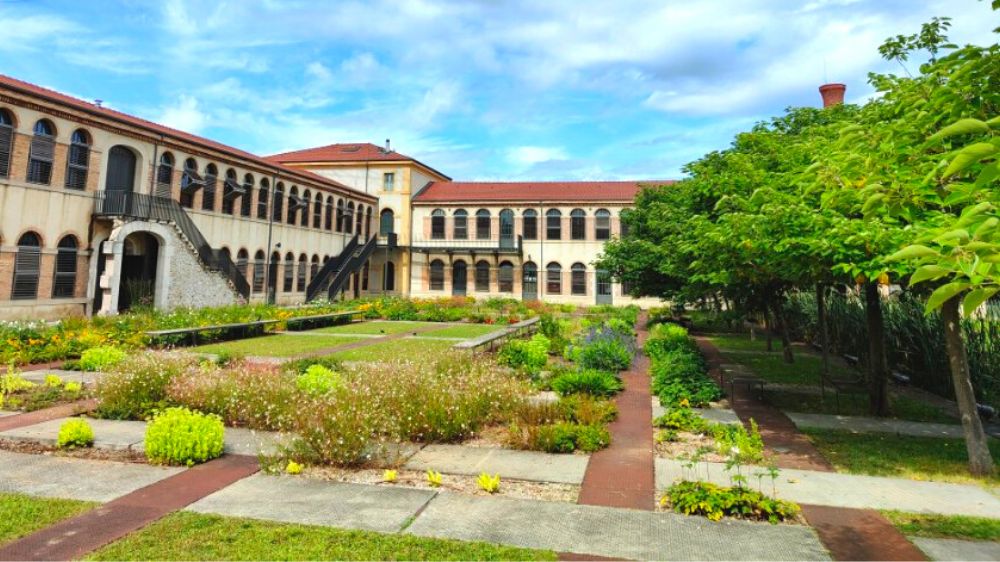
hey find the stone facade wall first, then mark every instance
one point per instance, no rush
(191, 285)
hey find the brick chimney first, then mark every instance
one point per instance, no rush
(833, 94)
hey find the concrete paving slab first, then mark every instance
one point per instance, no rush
(717, 415)
(292, 499)
(851, 490)
(67, 376)
(859, 424)
(6, 413)
(612, 532)
(954, 549)
(78, 479)
(519, 465)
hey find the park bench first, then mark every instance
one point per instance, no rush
(319, 320)
(733, 375)
(502, 334)
(244, 329)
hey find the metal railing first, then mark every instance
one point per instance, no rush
(504, 245)
(321, 280)
(354, 262)
(139, 206)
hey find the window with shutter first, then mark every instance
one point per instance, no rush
(27, 267)
(64, 279)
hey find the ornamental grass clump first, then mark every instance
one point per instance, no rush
(587, 381)
(136, 387)
(180, 436)
(573, 423)
(75, 433)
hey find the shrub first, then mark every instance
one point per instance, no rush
(557, 330)
(318, 380)
(53, 381)
(137, 386)
(715, 502)
(101, 358)
(184, 437)
(247, 394)
(739, 444)
(680, 375)
(562, 437)
(682, 419)
(487, 483)
(603, 349)
(529, 356)
(667, 338)
(587, 410)
(300, 366)
(74, 433)
(587, 381)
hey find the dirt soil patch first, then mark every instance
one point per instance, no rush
(90, 453)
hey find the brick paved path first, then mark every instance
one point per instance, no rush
(622, 475)
(45, 414)
(75, 537)
(849, 534)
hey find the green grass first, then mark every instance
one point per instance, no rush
(375, 328)
(22, 515)
(406, 348)
(278, 345)
(945, 526)
(917, 458)
(191, 536)
(903, 408)
(742, 342)
(806, 369)
(467, 331)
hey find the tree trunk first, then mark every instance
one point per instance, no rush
(786, 343)
(824, 336)
(980, 461)
(878, 376)
(767, 329)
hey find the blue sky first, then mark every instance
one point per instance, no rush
(487, 89)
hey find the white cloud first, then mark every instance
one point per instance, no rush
(184, 115)
(531, 155)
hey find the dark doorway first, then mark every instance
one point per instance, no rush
(459, 278)
(529, 282)
(138, 273)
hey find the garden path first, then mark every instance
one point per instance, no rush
(622, 474)
(25, 419)
(849, 534)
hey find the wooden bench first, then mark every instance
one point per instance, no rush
(246, 329)
(503, 333)
(319, 320)
(733, 375)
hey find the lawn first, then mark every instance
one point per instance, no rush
(466, 331)
(377, 328)
(22, 515)
(742, 342)
(945, 526)
(190, 536)
(903, 408)
(917, 458)
(278, 345)
(806, 369)
(405, 348)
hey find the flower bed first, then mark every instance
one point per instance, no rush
(16, 393)
(678, 369)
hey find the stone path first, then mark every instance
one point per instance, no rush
(83, 377)
(851, 490)
(859, 424)
(954, 549)
(859, 534)
(713, 414)
(622, 474)
(518, 465)
(75, 537)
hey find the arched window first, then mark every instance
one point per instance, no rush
(208, 194)
(120, 176)
(482, 276)
(553, 224)
(306, 204)
(300, 284)
(482, 224)
(230, 191)
(78, 160)
(293, 205)
(386, 221)
(359, 220)
(505, 279)
(460, 231)
(530, 228)
(437, 275)
(318, 211)
(258, 271)
(289, 279)
(262, 197)
(27, 267)
(190, 182)
(577, 224)
(246, 200)
(602, 224)
(64, 276)
(437, 225)
(340, 215)
(42, 153)
(553, 278)
(278, 207)
(368, 223)
(329, 213)
(6, 141)
(389, 279)
(349, 218)
(578, 279)
(243, 262)
(313, 267)
(164, 174)
(272, 273)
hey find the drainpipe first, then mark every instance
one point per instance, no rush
(540, 268)
(154, 168)
(267, 254)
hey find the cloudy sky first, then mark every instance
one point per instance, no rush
(485, 89)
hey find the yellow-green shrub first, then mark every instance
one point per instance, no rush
(75, 433)
(181, 436)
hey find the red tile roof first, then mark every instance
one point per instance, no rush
(346, 152)
(528, 191)
(75, 103)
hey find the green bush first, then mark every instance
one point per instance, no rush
(587, 381)
(318, 380)
(74, 433)
(183, 437)
(680, 377)
(602, 348)
(101, 358)
(682, 419)
(136, 387)
(565, 437)
(587, 410)
(667, 338)
(557, 330)
(716, 502)
(529, 356)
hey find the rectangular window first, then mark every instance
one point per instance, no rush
(207, 194)
(577, 228)
(461, 227)
(482, 277)
(40, 160)
(530, 227)
(64, 278)
(553, 227)
(579, 282)
(553, 281)
(388, 181)
(258, 276)
(483, 227)
(505, 281)
(437, 227)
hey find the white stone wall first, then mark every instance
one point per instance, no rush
(191, 284)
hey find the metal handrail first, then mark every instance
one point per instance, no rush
(354, 262)
(332, 265)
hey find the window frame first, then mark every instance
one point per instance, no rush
(482, 276)
(65, 269)
(78, 161)
(435, 276)
(484, 227)
(27, 268)
(460, 225)
(437, 224)
(553, 224)
(529, 217)
(41, 153)
(602, 225)
(553, 278)
(578, 279)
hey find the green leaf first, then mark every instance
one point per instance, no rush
(969, 156)
(977, 297)
(944, 293)
(912, 252)
(994, 123)
(988, 227)
(959, 234)
(928, 273)
(961, 127)
(872, 202)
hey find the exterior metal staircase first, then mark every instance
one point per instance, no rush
(335, 273)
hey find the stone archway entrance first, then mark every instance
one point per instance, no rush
(140, 256)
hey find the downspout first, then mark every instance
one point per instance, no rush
(539, 285)
(155, 164)
(270, 228)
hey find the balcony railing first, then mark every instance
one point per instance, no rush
(503, 245)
